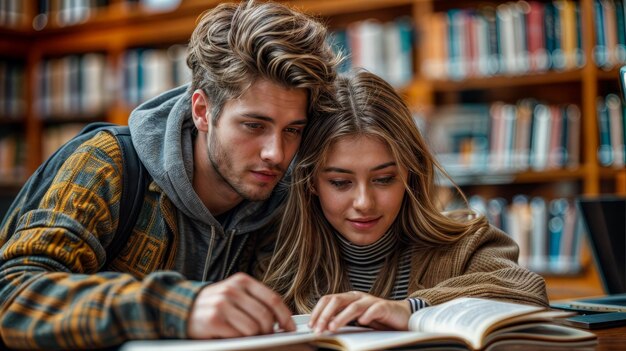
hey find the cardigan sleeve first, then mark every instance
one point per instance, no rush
(482, 264)
(51, 293)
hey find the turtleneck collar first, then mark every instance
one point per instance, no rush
(366, 254)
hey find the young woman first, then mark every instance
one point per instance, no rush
(363, 238)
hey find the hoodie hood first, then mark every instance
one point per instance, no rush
(162, 133)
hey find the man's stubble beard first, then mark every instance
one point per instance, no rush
(221, 163)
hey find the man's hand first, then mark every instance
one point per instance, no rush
(237, 306)
(335, 311)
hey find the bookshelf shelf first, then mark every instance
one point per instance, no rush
(346, 7)
(5, 121)
(610, 75)
(512, 81)
(610, 172)
(513, 177)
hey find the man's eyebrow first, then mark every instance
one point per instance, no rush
(271, 120)
(341, 170)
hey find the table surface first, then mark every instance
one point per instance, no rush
(611, 339)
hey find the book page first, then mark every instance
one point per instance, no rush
(543, 333)
(380, 340)
(244, 343)
(469, 318)
(302, 334)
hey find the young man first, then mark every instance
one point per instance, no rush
(215, 151)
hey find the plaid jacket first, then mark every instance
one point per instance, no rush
(53, 291)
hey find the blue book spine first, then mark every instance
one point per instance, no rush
(599, 51)
(549, 31)
(605, 152)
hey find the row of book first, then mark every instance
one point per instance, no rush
(83, 85)
(385, 49)
(53, 137)
(481, 138)
(12, 13)
(73, 85)
(12, 155)
(72, 12)
(13, 147)
(66, 12)
(12, 90)
(547, 231)
(511, 38)
(612, 131)
(148, 72)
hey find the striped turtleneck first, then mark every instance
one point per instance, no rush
(364, 263)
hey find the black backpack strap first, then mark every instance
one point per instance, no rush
(134, 182)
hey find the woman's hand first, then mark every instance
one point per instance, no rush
(335, 311)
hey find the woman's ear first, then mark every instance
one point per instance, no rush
(200, 110)
(313, 189)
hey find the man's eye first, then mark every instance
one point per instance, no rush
(253, 126)
(294, 131)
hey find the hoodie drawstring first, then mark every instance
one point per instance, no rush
(209, 255)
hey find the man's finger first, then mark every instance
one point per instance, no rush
(243, 323)
(271, 301)
(257, 310)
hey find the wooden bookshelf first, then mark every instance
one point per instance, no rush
(121, 26)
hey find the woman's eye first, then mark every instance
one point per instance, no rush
(339, 184)
(385, 180)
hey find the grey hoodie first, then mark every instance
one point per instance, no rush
(161, 130)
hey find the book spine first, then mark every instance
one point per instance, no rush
(573, 139)
(620, 24)
(605, 151)
(539, 251)
(599, 51)
(541, 132)
(614, 108)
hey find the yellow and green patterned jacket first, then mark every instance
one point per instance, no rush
(55, 292)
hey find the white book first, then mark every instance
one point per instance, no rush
(506, 39)
(157, 73)
(521, 56)
(372, 39)
(398, 52)
(539, 241)
(540, 138)
(510, 121)
(464, 322)
(93, 93)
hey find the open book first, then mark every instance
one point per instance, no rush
(465, 322)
